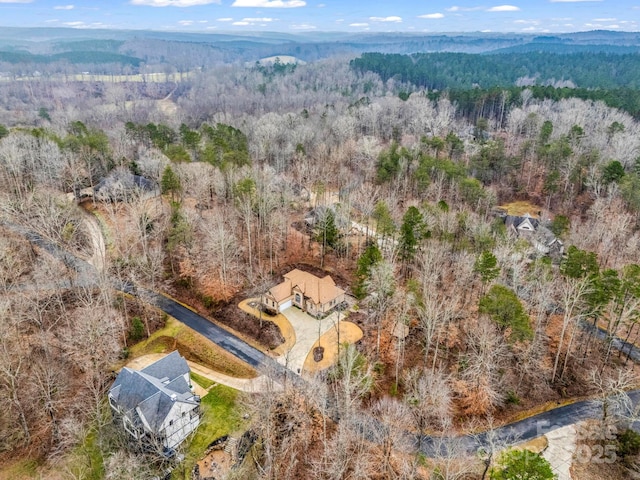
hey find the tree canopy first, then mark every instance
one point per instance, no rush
(504, 308)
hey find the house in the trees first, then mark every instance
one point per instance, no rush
(540, 236)
(316, 296)
(123, 186)
(156, 405)
(523, 224)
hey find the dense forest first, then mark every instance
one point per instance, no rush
(489, 85)
(438, 71)
(355, 168)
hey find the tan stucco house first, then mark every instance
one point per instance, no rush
(316, 296)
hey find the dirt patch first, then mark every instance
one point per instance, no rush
(215, 465)
(252, 307)
(263, 331)
(318, 354)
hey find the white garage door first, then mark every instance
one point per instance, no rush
(286, 305)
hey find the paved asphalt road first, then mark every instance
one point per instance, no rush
(520, 431)
(616, 342)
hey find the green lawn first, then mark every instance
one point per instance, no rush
(221, 416)
(88, 458)
(202, 381)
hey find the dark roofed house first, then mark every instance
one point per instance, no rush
(540, 236)
(156, 404)
(525, 223)
(122, 186)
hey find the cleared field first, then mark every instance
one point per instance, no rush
(89, 77)
(520, 208)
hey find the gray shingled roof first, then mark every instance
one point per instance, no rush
(171, 366)
(515, 221)
(155, 409)
(153, 390)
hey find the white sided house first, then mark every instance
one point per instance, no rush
(316, 296)
(156, 404)
(543, 239)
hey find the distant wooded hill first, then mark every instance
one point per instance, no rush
(438, 71)
(189, 50)
(74, 57)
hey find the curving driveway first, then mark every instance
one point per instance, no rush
(308, 330)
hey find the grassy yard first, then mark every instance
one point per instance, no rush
(87, 459)
(221, 416)
(520, 208)
(202, 381)
(194, 347)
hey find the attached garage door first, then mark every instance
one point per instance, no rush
(286, 305)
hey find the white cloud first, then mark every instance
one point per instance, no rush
(185, 23)
(358, 24)
(82, 25)
(604, 19)
(392, 19)
(573, 1)
(303, 26)
(321, 5)
(64, 7)
(250, 21)
(504, 8)
(456, 8)
(269, 3)
(225, 19)
(172, 3)
(431, 15)
(527, 22)
(253, 20)
(16, 1)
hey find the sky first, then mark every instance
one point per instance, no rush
(430, 16)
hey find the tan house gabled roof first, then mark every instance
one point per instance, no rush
(319, 290)
(281, 291)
